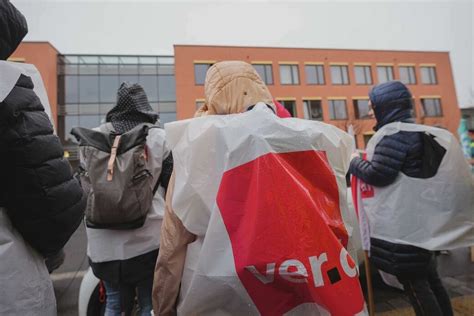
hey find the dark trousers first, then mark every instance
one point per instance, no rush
(427, 294)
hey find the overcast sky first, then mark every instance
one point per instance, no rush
(152, 27)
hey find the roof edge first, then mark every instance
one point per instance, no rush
(313, 48)
(41, 42)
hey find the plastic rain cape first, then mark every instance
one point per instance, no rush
(26, 288)
(266, 198)
(435, 213)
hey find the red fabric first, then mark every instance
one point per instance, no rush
(280, 110)
(280, 210)
(354, 185)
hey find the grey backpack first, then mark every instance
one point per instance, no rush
(116, 176)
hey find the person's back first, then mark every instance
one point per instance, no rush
(41, 203)
(253, 209)
(400, 152)
(403, 152)
(125, 259)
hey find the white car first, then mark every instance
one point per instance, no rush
(91, 296)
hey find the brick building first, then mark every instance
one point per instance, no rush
(329, 85)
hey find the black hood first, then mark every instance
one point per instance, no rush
(392, 102)
(132, 109)
(13, 28)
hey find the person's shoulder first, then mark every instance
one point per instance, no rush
(156, 132)
(401, 141)
(155, 136)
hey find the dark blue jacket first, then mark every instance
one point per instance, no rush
(400, 152)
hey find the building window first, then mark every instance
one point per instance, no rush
(17, 60)
(150, 85)
(428, 75)
(363, 75)
(339, 75)
(385, 73)
(199, 104)
(200, 71)
(432, 106)
(337, 110)
(265, 72)
(361, 108)
(289, 74)
(367, 137)
(166, 88)
(87, 89)
(313, 110)
(290, 106)
(109, 85)
(167, 117)
(407, 74)
(314, 74)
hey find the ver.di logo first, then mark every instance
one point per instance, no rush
(282, 214)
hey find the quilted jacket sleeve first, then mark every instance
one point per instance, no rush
(387, 161)
(44, 201)
(170, 264)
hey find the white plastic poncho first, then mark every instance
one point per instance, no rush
(435, 213)
(266, 198)
(25, 285)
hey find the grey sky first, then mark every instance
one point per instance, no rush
(152, 27)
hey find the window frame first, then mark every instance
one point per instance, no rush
(331, 110)
(208, 64)
(437, 104)
(199, 102)
(386, 73)
(432, 75)
(294, 110)
(341, 73)
(355, 103)
(366, 69)
(307, 107)
(292, 67)
(412, 72)
(319, 69)
(265, 71)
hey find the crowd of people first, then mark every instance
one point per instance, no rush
(147, 228)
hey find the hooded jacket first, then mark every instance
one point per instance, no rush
(401, 152)
(40, 203)
(44, 201)
(230, 87)
(13, 28)
(129, 256)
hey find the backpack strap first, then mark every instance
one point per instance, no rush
(113, 155)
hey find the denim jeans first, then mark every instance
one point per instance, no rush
(121, 297)
(427, 294)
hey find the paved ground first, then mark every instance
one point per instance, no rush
(67, 278)
(456, 269)
(457, 272)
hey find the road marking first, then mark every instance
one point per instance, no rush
(68, 275)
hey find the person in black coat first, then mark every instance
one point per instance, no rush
(44, 202)
(401, 153)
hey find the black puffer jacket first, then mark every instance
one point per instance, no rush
(401, 152)
(44, 201)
